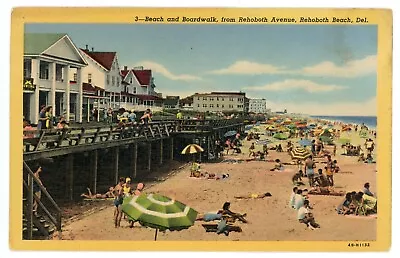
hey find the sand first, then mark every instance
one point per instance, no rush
(269, 218)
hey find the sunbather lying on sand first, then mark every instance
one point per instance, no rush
(254, 196)
(109, 194)
(317, 190)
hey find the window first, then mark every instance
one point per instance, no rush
(222, 106)
(217, 105)
(222, 99)
(27, 68)
(211, 99)
(211, 105)
(75, 77)
(198, 105)
(131, 80)
(44, 71)
(204, 105)
(217, 98)
(89, 78)
(198, 98)
(113, 81)
(134, 90)
(230, 99)
(108, 79)
(204, 98)
(59, 73)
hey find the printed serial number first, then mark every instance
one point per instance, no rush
(358, 245)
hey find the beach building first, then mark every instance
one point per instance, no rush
(139, 90)
(186, 103)
(101, 81)
(258, 106)
(48, 59)
(219, 101)
(171, 102)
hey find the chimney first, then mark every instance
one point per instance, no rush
(87, 47)
(92, 49)
(125, 68)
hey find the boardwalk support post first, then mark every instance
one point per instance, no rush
(94, 169)
(161, 151)
(149, 157)
(70, 176)
(172, 149)
(134, 160)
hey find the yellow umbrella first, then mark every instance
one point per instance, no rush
(192, 148)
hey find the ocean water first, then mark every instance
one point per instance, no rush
(369, 121)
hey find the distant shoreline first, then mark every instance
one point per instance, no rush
(369, 121)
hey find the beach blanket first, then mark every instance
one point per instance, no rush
(214, 228)
(371, 216)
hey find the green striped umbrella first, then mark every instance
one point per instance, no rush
(159, 212)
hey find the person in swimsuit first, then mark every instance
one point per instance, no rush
(109, 194)
(309, 168)
(254, 196)
(127, 187)
(119, 198)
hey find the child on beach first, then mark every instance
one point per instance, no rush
(298, 199)
(293, 197)
(278, 166)
(296, 179)
(251, 149)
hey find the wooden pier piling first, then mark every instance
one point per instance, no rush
(134, 160)
(149, 157)
(94, 170)
(70, 176)
(161, 152)
(116, 163)
(171, 157)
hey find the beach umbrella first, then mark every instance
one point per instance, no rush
(344, 140)
(305, 142)
(326, 139)
(248, 127)
(280, 136)
(191, 149)
(230, 133)
(300, 153)
(159, 212)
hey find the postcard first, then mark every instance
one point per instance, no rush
(189, 129)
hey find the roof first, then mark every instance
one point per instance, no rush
(148, 97)
(187, 100)
(106, 59)
(124, 73)
(89, 88)
(221, 94)
(36, 43)
(143, 76)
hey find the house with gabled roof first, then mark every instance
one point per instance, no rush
(48, 59)
(102, 80)
(139, 90)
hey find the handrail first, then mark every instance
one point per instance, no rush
(32, 178)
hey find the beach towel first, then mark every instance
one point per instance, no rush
(371, 216)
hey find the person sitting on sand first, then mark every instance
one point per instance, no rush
(254, 196)
(321, 179)
(335, 166)
(278, 166)
(361, 158)
(305, 194)
(305, 216)
(227, 212)
(195, 168)
(251, 149)
(109, 194)
(298, 199)
(346, 207)
(367, 191)
(296, 178)
(369, 203)
(293, 197)
(279, 148)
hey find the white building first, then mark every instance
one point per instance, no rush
(48, 59)
(139, 90)
(219, 101)
(101, 80)
(258, 106)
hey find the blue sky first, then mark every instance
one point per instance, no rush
(313, 69)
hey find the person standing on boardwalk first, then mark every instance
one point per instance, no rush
(49, 117)
(42, 118)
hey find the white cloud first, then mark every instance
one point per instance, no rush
(349, 69)
(306, 85)
(364, 108)
(352, 68)
(246, 67)
(159, 68)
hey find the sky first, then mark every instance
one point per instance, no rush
(310, 69)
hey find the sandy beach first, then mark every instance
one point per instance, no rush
(270, 218)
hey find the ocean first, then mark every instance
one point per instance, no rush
(369, 121)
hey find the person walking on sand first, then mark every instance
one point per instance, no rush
(329, 170)
(309, 168)
(119, 198)
(251, 149)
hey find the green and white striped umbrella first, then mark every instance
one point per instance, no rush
(159, 212)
